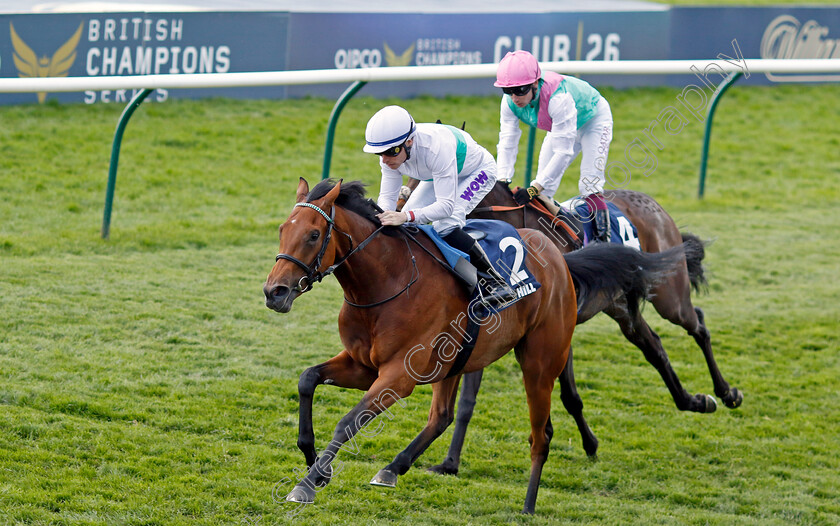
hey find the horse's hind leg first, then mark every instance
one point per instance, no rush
(441, 415)
(466, 404)
(639, 333)
(731, 396)
(677, 308)
(574, 406)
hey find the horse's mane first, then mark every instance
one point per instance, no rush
(351, 197)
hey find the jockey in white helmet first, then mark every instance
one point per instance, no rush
(577, 119)
(456, 174)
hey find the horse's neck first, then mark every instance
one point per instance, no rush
(370, 270)
(501, 196)
(527, 218)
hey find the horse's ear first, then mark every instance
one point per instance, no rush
(302, 190)
(332, 195)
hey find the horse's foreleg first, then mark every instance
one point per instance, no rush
(466, 405)
(440, 416)
(542, 355)
(574, 406)
(341, 371)
(639, 333)
(384, 392)
(539, 382)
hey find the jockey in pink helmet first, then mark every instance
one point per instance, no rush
(576, 118)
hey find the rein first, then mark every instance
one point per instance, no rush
(312, 272)
(555, 220)
(415, 275)
(497, 208)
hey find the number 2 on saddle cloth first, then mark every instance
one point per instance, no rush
(505, 248)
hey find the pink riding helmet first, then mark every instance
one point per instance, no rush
(517, 69)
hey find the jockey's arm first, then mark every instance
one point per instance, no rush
(561, 140)
(506, 150)
(405, 192)
(389, 188)
(443, 168)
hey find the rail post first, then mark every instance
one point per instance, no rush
(135, 103)
(529, 157)
(339, 106)
(707, 134)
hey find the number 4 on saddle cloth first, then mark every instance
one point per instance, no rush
(621, 229)
(505, 248)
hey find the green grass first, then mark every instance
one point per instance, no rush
(142, 380)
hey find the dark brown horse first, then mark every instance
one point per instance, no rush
(402, 321)
(671, 299)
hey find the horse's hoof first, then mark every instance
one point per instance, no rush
(734, 399)
(302, 495)
(385, 478)
(591, 447)
(443, 469)
(710, 405)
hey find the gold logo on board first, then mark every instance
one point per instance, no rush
(30, 66)
(399, 60)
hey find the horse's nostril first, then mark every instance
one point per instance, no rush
(278, 291)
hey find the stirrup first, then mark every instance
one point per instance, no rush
(494, 294)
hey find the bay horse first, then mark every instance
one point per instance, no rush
(670, 297)
(401, 321)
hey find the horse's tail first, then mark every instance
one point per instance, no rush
(694, 254)
(611, 270)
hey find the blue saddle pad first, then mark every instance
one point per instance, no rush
(503, 246)
(621, 229)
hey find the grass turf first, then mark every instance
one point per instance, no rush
(142, 380)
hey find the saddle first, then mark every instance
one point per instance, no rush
(504, 247)
(575, 215)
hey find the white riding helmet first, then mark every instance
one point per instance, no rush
(391, 126)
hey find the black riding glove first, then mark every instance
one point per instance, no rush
(524, 195)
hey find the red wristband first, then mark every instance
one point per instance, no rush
(411, 215)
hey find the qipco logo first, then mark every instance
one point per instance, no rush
(358, 58)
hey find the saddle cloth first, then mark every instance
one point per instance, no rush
(503, 246)
(621, 229)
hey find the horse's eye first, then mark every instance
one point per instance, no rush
(314, 235)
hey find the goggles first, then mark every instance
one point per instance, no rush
(393, 151)
(517, 90)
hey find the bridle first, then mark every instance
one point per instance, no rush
(313, 274)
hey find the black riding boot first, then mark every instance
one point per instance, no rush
(602, 226)
(494, 291)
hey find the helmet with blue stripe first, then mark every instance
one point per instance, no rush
(391, 126)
